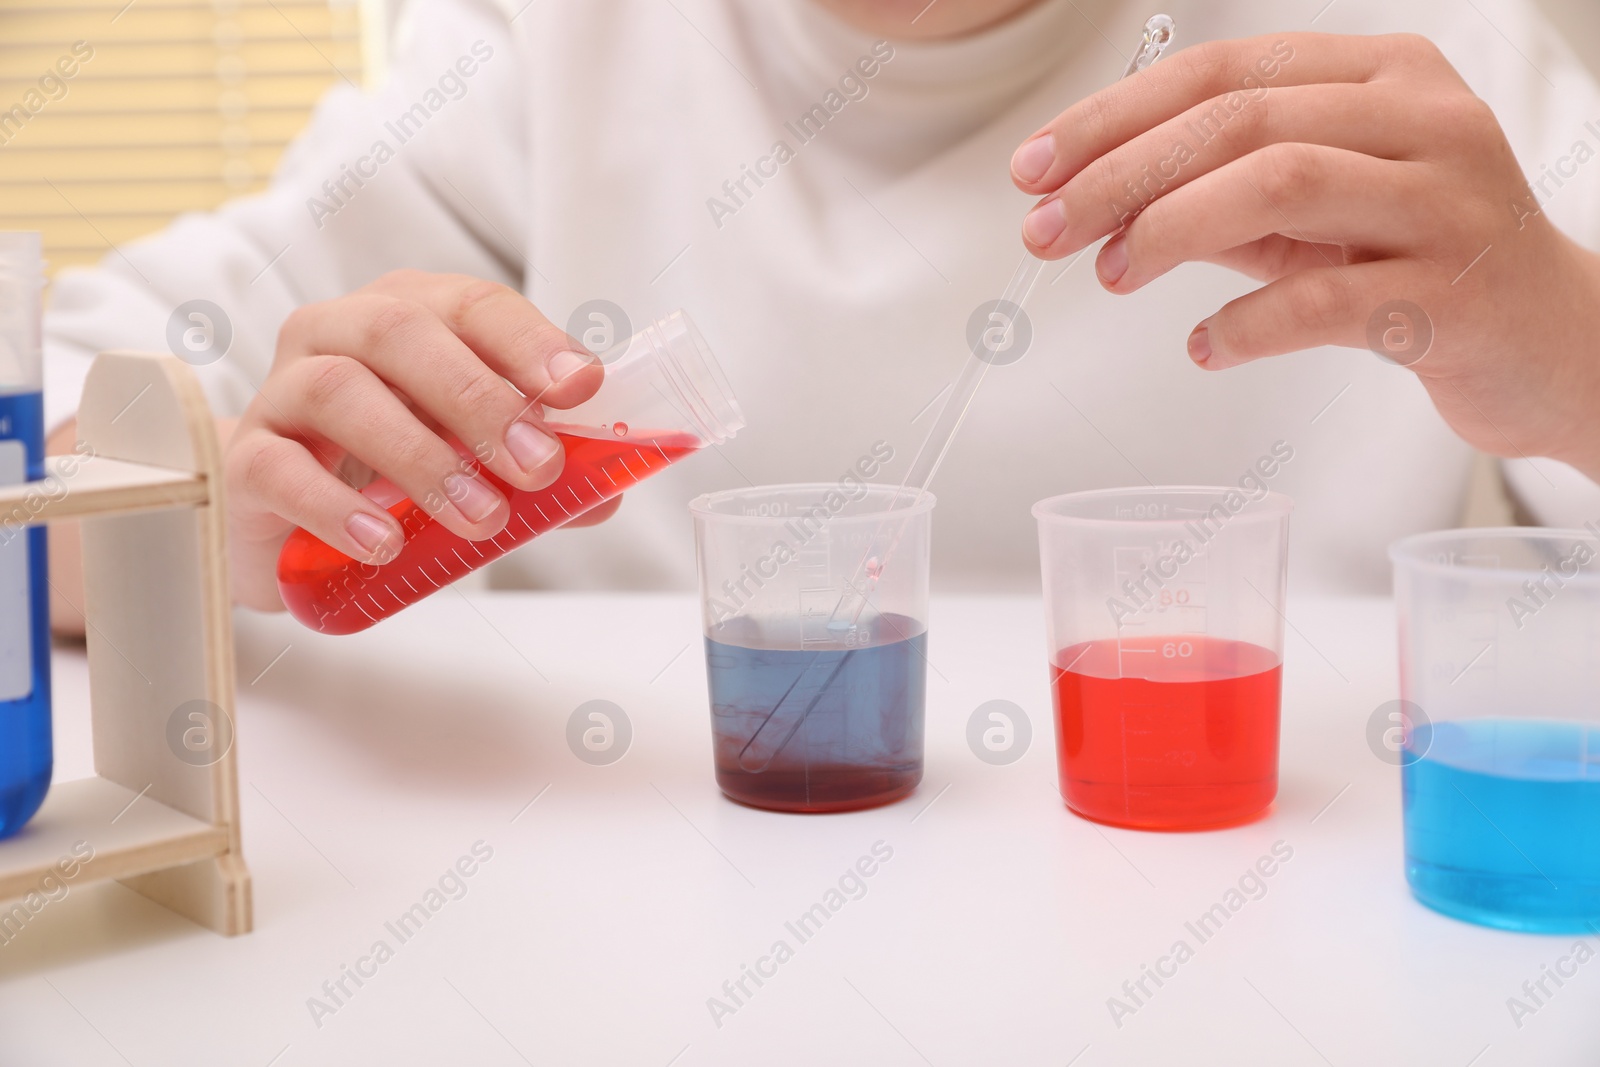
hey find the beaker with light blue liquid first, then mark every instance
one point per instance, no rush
(1500, 666)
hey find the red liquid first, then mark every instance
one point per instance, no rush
(1167, 733)
(330, 592)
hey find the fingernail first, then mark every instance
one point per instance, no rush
(471, 496)
(1114, 260)
(1032, 161)
(1200, 343)
(529, 447)
(1045, 223)
(373, 536)
(566, 364)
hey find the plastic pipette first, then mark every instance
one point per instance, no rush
(785, 718)
(1158, 33)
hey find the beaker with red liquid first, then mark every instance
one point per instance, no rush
(664, 397)
(1164, 612)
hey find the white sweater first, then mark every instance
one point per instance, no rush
(605, 149)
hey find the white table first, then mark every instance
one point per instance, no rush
(624, 897)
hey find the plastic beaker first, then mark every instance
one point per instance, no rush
(663, 398)
(806, 715)
(1164, 614)
(1500, 669)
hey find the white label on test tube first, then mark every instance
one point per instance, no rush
(16, 629)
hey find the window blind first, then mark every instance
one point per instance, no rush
(117, 116)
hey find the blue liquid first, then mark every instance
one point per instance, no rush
(861, 744)
(26, 755)
(1502, 823)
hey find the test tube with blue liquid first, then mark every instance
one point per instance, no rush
(1500, 717)
(25, 746)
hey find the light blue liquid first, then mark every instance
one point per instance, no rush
(25, 750)
(1502, 823)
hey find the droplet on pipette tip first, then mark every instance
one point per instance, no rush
(1158, 34)
(1158, 31)
(620, 429)
(874, 568)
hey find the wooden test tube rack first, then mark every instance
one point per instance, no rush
(147, 489)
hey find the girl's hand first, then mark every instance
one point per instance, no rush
(1376, 196)
(374, 382)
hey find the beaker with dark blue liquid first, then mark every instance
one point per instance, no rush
(817, 698)
(1500, 669)
(25, 744)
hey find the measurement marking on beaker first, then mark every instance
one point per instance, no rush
(575, 498)
(476, 549)
(563, 507)
(597, 492)
(659, 449)
(462, 558)
(414, 589)
(422, 569)
(392, 593)
(624, 461)
(363, 610)
(607, 473)
(542, 515)
(524, 520)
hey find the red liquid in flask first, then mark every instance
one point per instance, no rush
(1167, 733)
(330, 592)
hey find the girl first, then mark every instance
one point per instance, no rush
(824, 185)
